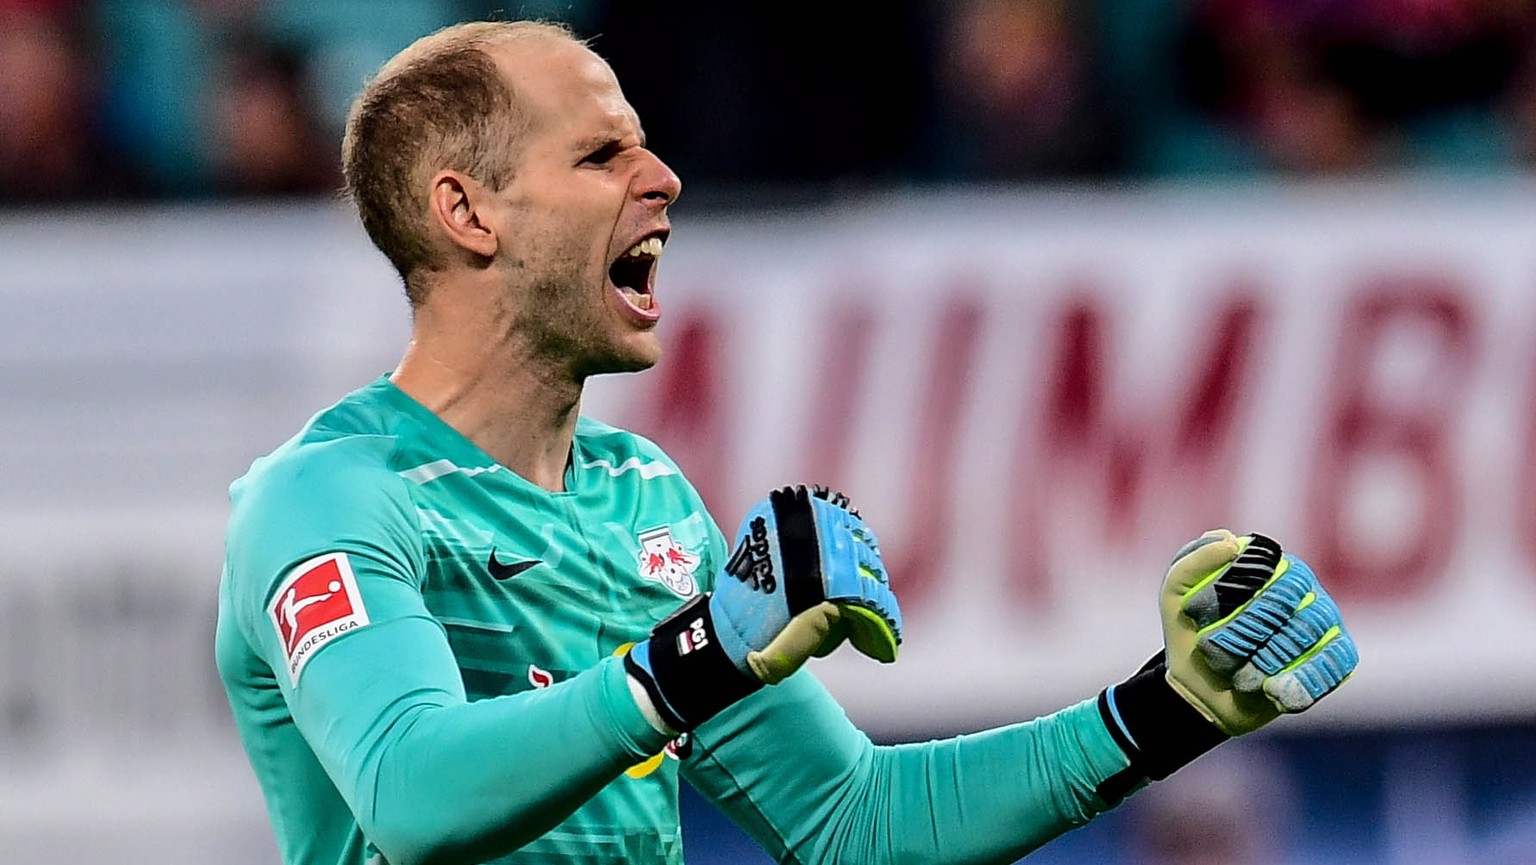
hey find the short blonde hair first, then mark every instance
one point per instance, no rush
(439, 104)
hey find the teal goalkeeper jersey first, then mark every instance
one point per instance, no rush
(421, 650)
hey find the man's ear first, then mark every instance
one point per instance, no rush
(453, 205)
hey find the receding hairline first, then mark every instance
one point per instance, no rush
(436, 103)
(479, 35)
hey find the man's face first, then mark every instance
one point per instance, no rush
(585, 217)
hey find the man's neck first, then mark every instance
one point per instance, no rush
(516, 409)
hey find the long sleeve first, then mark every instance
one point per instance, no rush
(788, 766)
(428, 776)
(431, 777)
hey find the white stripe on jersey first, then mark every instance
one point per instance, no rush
(647, 470)
(439, 468)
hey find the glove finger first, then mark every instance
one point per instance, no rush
(1299, 686)
(873, 614)
(837, 498)
(811, 538)
(873, 617)
(1210, 537)
(1231, 642)
(851, 568)
(1201, 559)
(1315, 617)
(793, 646)
(865, 537)
(1227, 591)
(835, 637)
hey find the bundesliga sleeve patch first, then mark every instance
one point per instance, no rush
(317, 602)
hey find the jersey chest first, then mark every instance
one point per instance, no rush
(533, 588)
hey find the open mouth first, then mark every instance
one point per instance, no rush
(632, 273)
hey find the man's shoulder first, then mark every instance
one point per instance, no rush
(349, 445)
(327, 461)
(335, 482)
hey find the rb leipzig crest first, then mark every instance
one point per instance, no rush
(665, 561)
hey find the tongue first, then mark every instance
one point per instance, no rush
(637, 299)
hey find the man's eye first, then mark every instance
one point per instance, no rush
(603, 155)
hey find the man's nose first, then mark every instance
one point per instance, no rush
(657, 183)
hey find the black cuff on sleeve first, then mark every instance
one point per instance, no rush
(1158, 730)
(691, 677)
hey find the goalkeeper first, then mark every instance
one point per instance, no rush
(458, 623)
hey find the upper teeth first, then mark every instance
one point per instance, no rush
(647, 248)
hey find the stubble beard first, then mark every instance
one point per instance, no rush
(568, 329)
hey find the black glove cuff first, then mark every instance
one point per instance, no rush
(1156, 727)
(691, 677)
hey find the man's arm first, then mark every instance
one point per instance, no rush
(788, 766)
(431, 777)
(428, 776)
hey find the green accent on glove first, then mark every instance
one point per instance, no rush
(1210, 692)
(870, 633)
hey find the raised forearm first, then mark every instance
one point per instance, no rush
(432, 778)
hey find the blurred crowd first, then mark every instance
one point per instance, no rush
(157, 99)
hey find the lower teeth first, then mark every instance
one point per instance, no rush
(643, 301)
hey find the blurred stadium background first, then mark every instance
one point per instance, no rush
(1048, 285)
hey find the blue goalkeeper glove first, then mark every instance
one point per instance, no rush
(1249, 634)
(1270, 640)
(806, 574)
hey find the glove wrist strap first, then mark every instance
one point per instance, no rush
(690, 677)
(1158, 730)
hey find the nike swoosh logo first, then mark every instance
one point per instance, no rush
(506, 571)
